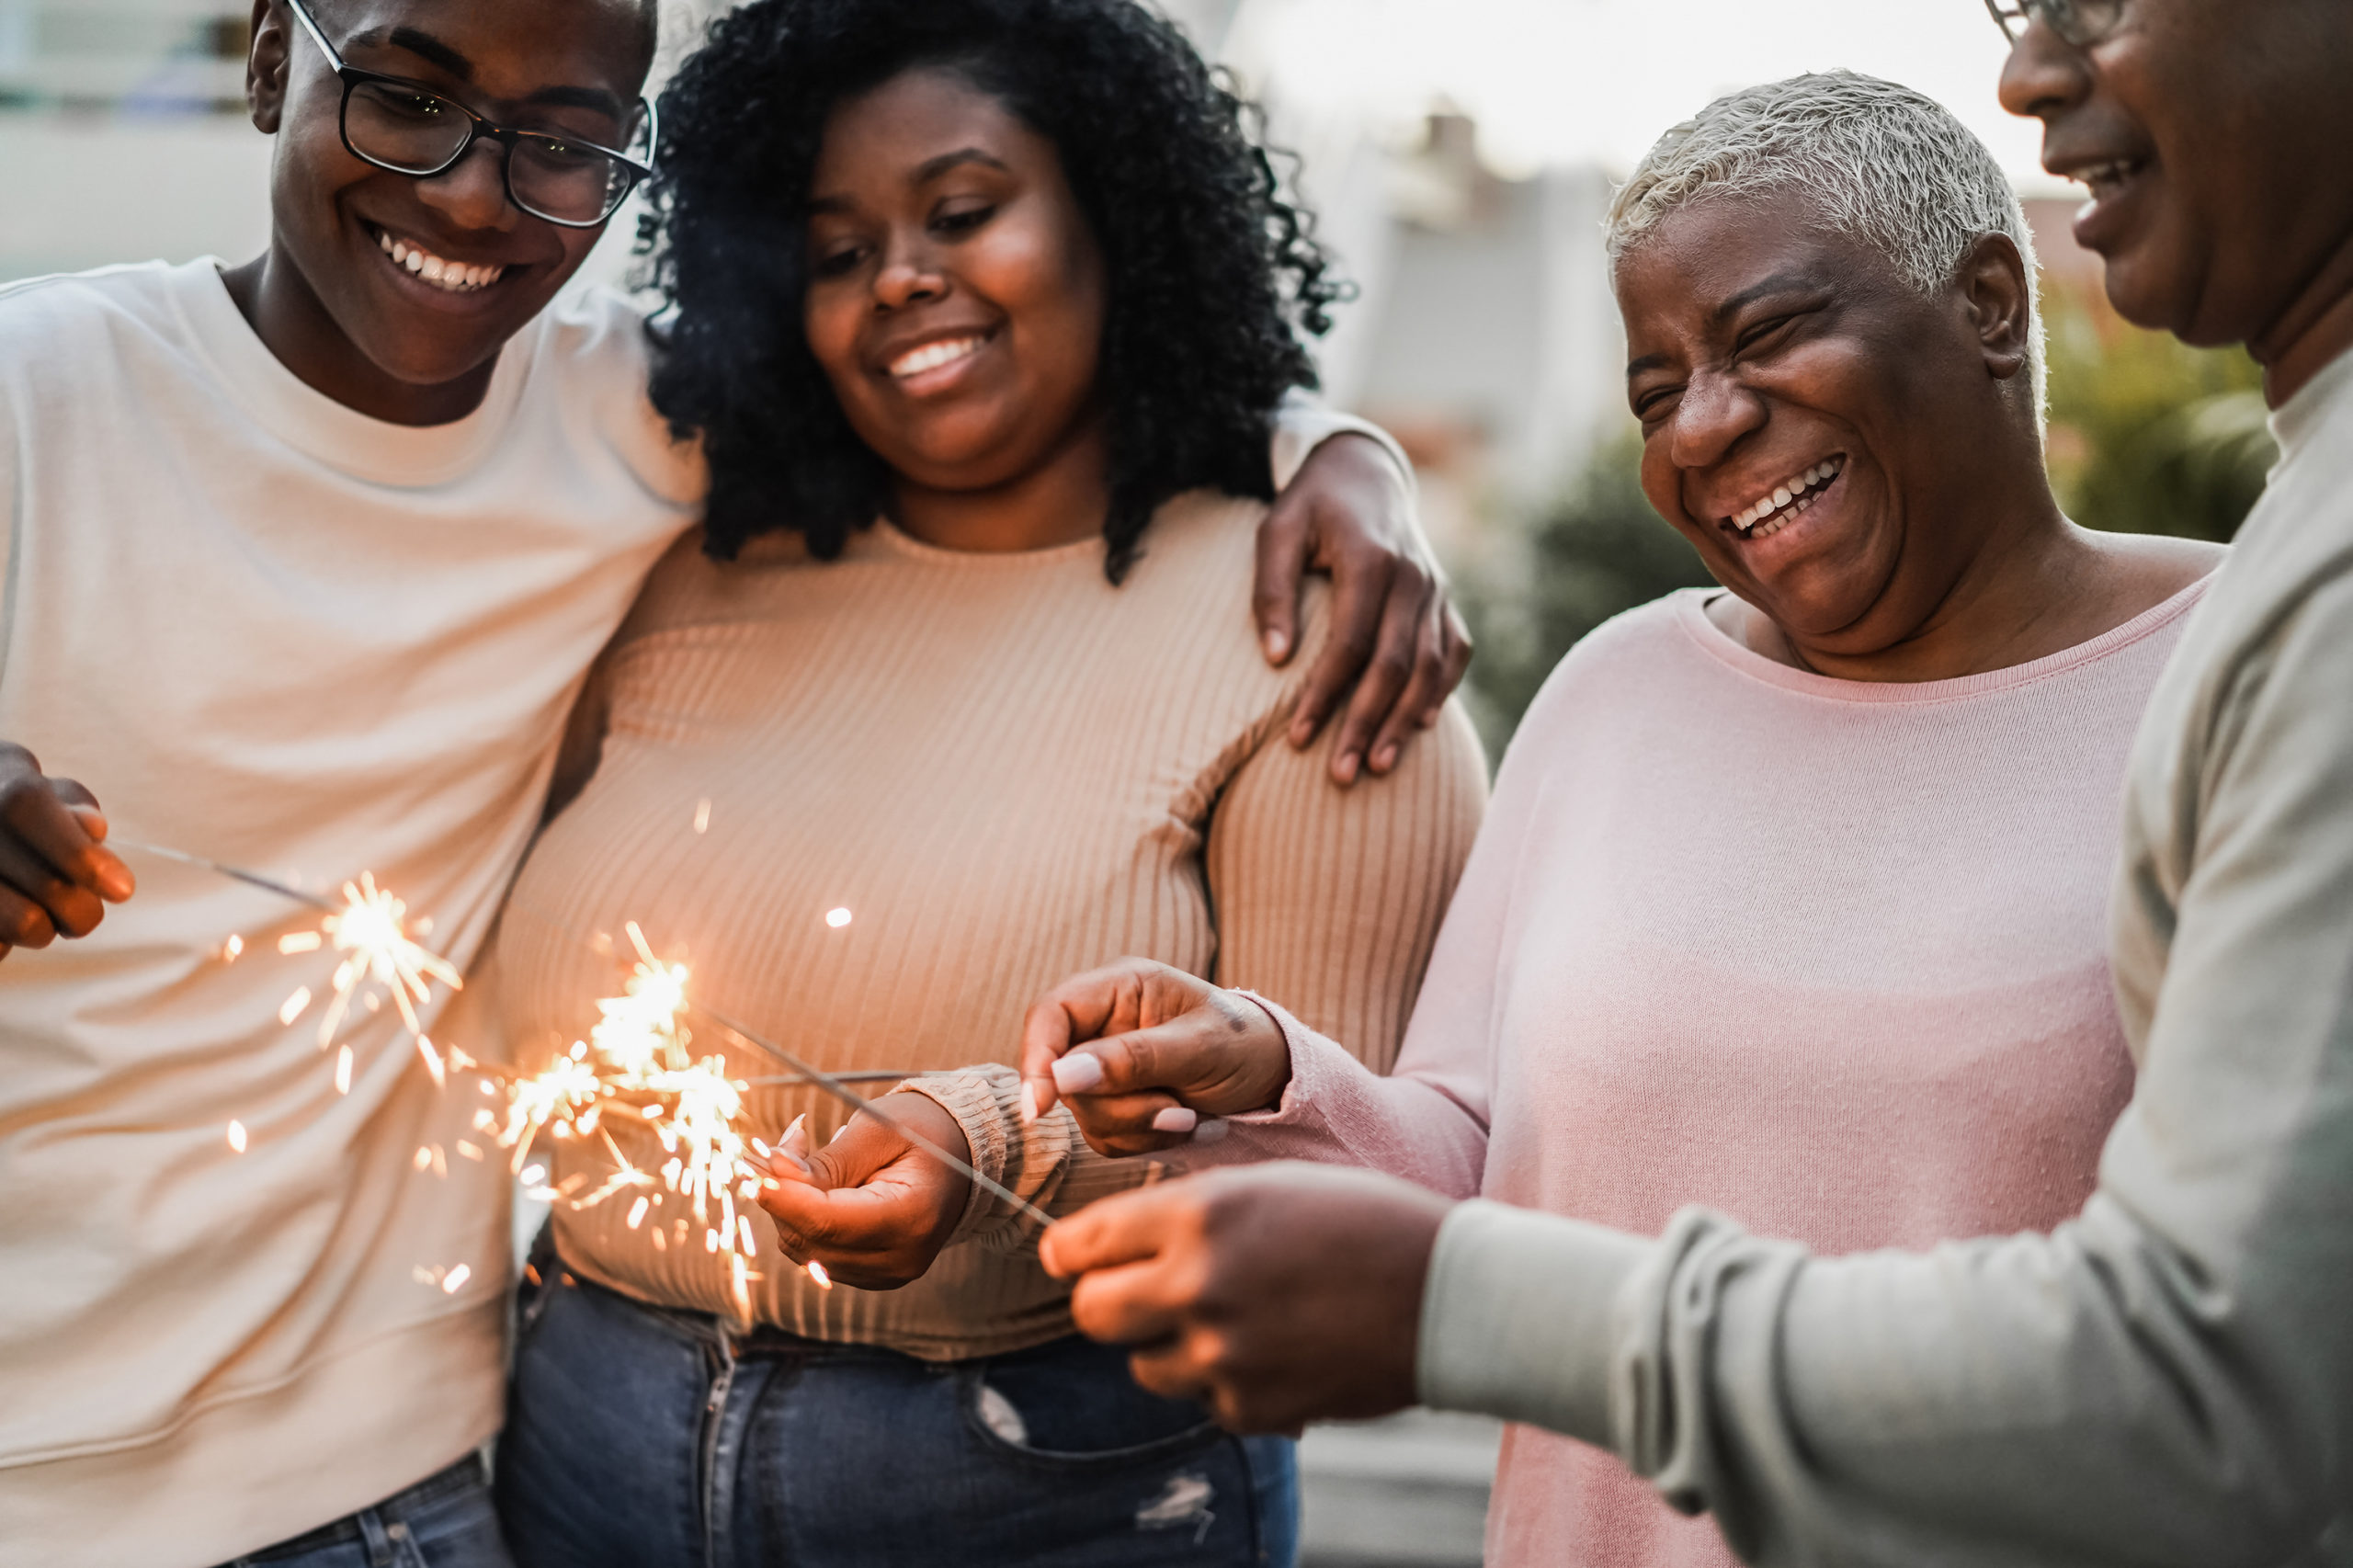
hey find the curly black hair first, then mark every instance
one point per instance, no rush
(1212, 275)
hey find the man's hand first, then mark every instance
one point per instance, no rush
(1141, 1052)
(872, 1207)
(56, 875)
(1347, 512)
(1274, 1295)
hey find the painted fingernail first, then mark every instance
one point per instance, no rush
(1213, 1129)
(1276, 645)
(1029, 1103)
(1077, 1072)
(1175, 1119)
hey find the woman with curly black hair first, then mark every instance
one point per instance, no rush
(982, 310)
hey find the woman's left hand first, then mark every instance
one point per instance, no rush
(870, 1207)
(1395, 636)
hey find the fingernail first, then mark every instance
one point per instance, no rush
(1175, 1119)
(1276, 645)
(1029, 1104)
(1345, 768)
(795, 1141)
(1427, 721)
(114, 883)
(1384, 759)
(1211, 1130)
(1077, 1072)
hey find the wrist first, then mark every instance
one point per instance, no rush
(1266, 1049)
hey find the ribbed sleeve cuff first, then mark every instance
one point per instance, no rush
(1518, 1317)
(976, 1101)
(1047, 1161)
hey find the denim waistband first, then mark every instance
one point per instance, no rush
(705, 1328)
(468, 1471)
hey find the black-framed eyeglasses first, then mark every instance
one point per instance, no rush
(2082, 23)
(405, 129)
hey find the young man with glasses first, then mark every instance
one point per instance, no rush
(2166, 1379)
(306, 560)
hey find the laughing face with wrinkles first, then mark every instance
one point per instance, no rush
(1857, 459)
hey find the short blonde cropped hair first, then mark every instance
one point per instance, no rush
(1884, 163)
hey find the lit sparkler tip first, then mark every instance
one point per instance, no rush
(237, 1136)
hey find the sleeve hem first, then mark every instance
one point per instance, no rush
(1518, 1317)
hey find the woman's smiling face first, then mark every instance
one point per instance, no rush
(955, 292)
(1810, 418)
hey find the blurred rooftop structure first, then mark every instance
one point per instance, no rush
(129, 57)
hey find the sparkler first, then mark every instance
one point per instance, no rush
(640, 1044)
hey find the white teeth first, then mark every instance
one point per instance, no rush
(932, 355)
(1768, 516)
(455, 276)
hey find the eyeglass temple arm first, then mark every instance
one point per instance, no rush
(310, 26)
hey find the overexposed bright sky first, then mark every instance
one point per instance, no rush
(1598, 80)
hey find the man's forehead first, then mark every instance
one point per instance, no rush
(603, 44)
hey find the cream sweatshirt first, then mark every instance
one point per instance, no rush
(264, 627)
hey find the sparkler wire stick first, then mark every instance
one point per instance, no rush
(236, 873)
(858, 1102)
(827, 1082)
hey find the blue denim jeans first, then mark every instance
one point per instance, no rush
(639, 1438)
(444, 1521)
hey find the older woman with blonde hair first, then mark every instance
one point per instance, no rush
(1791, 899)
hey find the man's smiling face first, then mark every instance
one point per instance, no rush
(2216, 139)
(427, 278)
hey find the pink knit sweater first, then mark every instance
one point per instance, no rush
(1825, 955)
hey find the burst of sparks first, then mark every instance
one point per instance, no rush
(838, 918)
(639, 1046)
(372, 932)
(237, 1136)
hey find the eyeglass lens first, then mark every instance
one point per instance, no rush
(418, 134)
(2080, 22)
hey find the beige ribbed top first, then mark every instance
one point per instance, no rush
(1007, 770)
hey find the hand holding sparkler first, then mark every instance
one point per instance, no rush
(56, 874)
(873, 1208)
(1147, 1057)
(1276, 1294)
